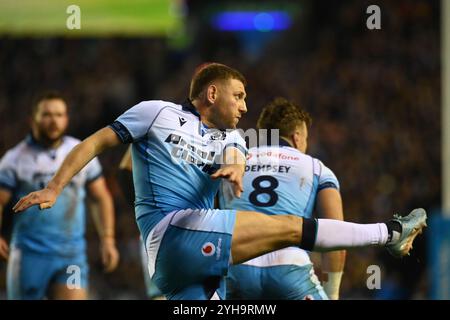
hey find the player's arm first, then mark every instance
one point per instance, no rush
(329, 206)
(104, 222)
(79, 156)
(5, 196)
(232, 169)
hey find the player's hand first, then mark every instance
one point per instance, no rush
(109, 254)
(234, 174)
(4, 248)
(45, 198)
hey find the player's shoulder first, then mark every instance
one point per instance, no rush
(16, 152)
(317, 160)
(159, 104)
(154, 108)
(324, 170)
(321, 163)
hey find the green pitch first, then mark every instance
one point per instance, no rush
(98, 17)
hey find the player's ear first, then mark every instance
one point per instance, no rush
(211, 93)
(299, 141)
(295, 138)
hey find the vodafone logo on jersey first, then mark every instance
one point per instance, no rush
(208, 249)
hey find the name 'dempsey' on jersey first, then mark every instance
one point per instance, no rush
(267, 168)
(204, 160)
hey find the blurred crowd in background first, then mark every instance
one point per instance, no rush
(374, 96)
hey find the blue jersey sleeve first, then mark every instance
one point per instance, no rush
(327, 178)
(137, 121)
(235, 140)
(8, 176)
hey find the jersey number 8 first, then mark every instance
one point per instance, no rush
(269, 190)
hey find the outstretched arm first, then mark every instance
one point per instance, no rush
(329, 206)
(74, 162)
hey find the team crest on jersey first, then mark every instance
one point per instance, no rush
(218, 135)
(208, 249)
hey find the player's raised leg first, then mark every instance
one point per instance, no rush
(256, 234)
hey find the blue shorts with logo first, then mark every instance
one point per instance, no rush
(31, 274)
(189, 253)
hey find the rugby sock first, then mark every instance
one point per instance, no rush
(326, 234)
(394, 230)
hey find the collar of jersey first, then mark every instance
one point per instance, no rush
(188, 106)
(34, 143)
(281, 142)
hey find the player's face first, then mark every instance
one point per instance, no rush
(50, 121)
(230, 104)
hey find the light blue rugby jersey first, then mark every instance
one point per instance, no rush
(280, 180)
(173, 155)
(59, 230)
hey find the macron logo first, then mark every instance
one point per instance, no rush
(182, 121)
